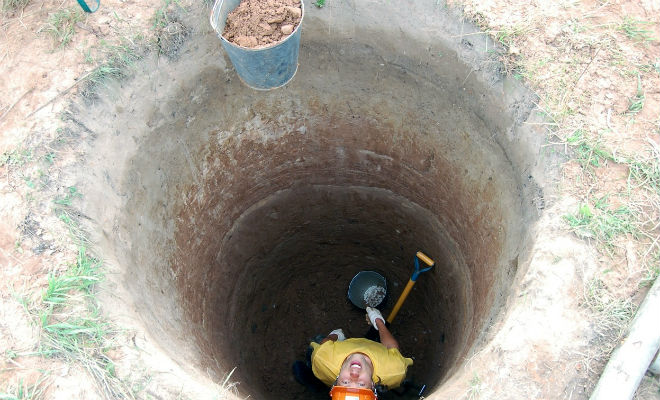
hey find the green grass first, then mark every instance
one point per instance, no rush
(603, 223)
(319, 3)
(652, 272)
(118, 60)
(77, 233)
(72, 328)
(588, 153)
(68, 198)
(636, 103)
(16, 158)
(14, 5)
(613, 313)
(170, 33)
(80, 277)
(474, 391)
(634, 29)
(62, 25)
(645, 174)
(23, 391)
(507, 35)
(162, 16)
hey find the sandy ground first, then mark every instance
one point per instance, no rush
(590, 62)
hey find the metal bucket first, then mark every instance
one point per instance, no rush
(263, 68)
(362, 284)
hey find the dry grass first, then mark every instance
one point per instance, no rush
(596, 69)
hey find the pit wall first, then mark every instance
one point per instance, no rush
(400, 99)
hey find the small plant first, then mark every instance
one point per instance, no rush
(170, 33)
(645, 173)
(49, 158)
(119, 58)
(613, 314)
(15, 158)
(67, 200)
(636, 103)
(14, 5)
(161, 17)
(652, 274)
(602, 223)
(508, 34)
(79, 336)
(633, 28)
(587, 153)
(24, 391)
(475, 387)
(75, 230)
(80, 277)
(319, 3)
(62, 25)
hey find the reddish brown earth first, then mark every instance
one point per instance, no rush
(259, 23)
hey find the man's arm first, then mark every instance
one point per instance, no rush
(337, 334)
(386, 338)
(332, 336)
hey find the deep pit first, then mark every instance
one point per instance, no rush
(239, 217)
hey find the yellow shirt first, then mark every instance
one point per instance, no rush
(389, 365)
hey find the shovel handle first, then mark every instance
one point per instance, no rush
(428, 261)
(399, 302)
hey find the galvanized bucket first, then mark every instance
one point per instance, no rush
(263, 68)
(363, 283)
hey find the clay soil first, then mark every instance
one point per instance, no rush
(259, 23)
(569, 61)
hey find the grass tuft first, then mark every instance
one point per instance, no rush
(645, 173)
(25, 391)
(508, 34)
(80, 277)
(636, 103)
(613, 314)
(602, 223)
(163, 17)
(475, 389)
(16, 158)
(62, 25)
(589, 154)
(75, 336)
(170, 32)
(119, 58)
(14, 5)
(67, 200)
(634, 29)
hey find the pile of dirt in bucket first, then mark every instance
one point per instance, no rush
(259, 23)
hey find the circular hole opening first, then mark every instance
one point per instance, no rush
(242, 216)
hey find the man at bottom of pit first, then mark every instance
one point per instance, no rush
(354, 367)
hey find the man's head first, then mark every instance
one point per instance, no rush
(355, 379)
(356, 372)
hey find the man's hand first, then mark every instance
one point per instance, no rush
(338, 333)
(373, 314)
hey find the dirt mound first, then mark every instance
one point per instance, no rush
(258, 23)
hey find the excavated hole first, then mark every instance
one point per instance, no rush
(243, 215)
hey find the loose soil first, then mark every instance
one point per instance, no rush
(262, 23)
(374, 295)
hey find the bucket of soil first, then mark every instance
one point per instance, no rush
(367, 289)
(261, 38)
